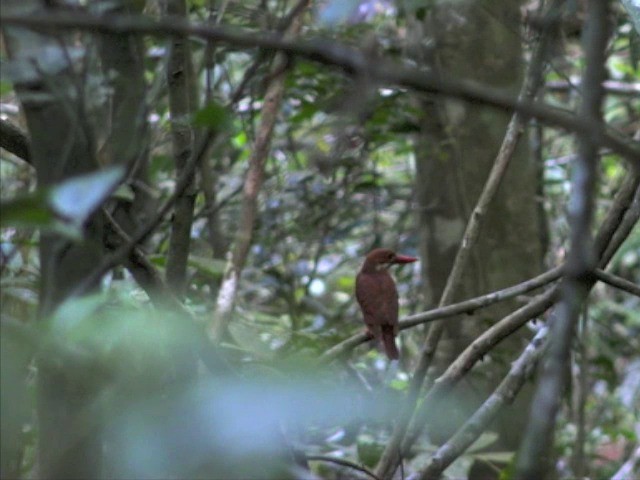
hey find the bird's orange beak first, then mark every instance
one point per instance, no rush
(404, 259)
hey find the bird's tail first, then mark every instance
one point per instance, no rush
(389, 342)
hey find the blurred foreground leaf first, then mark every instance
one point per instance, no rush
(164, 421)
(63, 208)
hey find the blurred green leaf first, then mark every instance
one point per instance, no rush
(213, 116)
(5, 87)
(497, 457)
(239, 140)
(77, 198)
(26, 211)
(62, 208)
(369, 450)
(210, 267)
(34, 211)
(346, 283)
(483, 441)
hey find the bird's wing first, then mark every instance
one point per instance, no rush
(378, 298)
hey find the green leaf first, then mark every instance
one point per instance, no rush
(77, 198)
(63, 208)
(207, 266)
(239, 140)
(213, 116)
(346, 283)
(369, 450)
(5, 87)
(483, 441)
(498, 457)
(26, 211)
(34, 211)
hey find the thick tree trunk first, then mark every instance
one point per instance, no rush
(455, 151)
(62, 146)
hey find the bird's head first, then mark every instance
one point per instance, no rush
(382, 258)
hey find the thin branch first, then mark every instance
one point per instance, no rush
(466, 306)
(612, 87)
(534, 460)
(252, 185)
(470, 356)
(629, 219)
(344, 463)
(14, 140)
(630, 467)
(143, 271)
(336, 54)
(503, 395)
(618, 282)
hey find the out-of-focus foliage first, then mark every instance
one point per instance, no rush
(339, 181)
(63, 208)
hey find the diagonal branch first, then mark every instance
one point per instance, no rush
(119, 255)
(535, 451)
(618, 282)
(503, 395)
(252, 185)
(14, 140)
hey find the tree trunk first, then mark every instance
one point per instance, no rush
(455, 150)
(62, 146)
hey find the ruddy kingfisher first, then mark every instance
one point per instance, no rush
(378, 297)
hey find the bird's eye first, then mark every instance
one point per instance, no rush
(390, 256)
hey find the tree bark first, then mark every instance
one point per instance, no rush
(62, 146)
(455, 151)
(182, 103)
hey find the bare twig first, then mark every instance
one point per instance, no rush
(336, 54)
(470, 356)
(486, 413)
(618, 282)
(629, 219)
(14, 140)
(534, 455)
(343, 462)
(252, 185)
(610, 86)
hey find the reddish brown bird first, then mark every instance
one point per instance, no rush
(378, 298)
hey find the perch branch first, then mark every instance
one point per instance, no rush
(466, 306)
